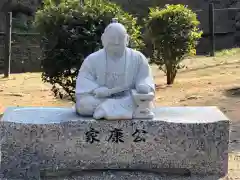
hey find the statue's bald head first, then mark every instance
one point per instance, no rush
(116, 27)
(115, 38)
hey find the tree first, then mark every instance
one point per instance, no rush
(174, 33)
(71, 32)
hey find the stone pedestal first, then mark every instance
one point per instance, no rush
(179, 139)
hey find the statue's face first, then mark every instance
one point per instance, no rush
(115, 41)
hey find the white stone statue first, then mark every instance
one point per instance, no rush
(116, 81)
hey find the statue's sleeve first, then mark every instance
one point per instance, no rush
(144, 75)
(86, 79)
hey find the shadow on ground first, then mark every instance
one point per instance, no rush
(233, 92)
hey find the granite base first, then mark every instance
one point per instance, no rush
(188, 139)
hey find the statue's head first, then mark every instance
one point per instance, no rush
(115, 39)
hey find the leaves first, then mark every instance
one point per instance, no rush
(173, 31)
(70, 32)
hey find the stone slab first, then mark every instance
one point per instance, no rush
(109, 175)
(191, 139)
(45, 115)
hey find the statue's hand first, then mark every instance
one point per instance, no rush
(143, 89)
(101, 92)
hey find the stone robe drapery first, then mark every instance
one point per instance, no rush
(97, 71)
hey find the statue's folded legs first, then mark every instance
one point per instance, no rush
(86, 105)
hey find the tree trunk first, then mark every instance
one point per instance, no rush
(168, 76)
(171, 73)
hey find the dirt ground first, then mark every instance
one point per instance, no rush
(205, 81)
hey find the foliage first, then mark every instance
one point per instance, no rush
(71, 32)
(174, 33)
(19, 25)
(228, 52)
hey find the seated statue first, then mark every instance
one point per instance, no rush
(116, 81)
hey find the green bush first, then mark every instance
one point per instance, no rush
(173, 32)
(70, 32)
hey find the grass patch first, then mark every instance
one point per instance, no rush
(228, 52)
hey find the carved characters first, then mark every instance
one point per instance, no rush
(116, 135)
(139, 135)
(92, 136)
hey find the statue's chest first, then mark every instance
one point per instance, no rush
(116, 72)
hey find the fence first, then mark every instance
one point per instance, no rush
(13, 47)
(211, 33)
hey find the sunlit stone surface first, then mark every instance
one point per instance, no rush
(177, 139)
